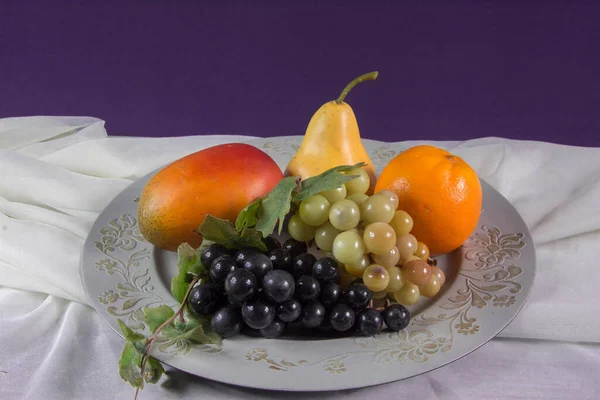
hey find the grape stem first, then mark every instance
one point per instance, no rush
(386, 304)
(299, 183)
(149, 343)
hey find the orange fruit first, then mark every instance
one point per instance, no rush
(439, 190)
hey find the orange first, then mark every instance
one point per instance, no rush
(439, 190)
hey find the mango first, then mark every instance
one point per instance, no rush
(219, 180)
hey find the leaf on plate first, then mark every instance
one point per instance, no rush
(195, 330)
(129, 334)
(219, 230)
(275, 206)
(248, 216)
(188, 265)
(156, 316)
(223, 232)
(250, 237)
(330, 179)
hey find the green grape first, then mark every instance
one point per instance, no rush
(376, 277)
(299, 230)
(380, 295)
(358, 198)
(391, 196)
(408, 294)
(360, 184)
(344, 215)
(357, 268)
(417, 272)
(377, 209)
(402, 223)
(379, 238)
(389, 259)
(396, 280)
(348, 247)
(431, 288)
(422, 251)
(333, 195)
(324, 236)
(407, 260)
(407, 245)
(437, 271)
(314, 211)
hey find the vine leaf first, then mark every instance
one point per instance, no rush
(157, 316)
(223, 232)
(275, 206)
(195, 330)
(330, 179)
(188, 265)
(130, 363)
(248, 216)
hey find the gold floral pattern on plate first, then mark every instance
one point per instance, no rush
(135, 291)
(288, 147)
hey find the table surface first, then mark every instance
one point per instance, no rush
(526, 71)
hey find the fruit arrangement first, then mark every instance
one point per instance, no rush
(325, 246)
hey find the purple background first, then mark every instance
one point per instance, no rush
(159, 68)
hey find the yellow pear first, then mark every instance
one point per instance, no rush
(332, 138)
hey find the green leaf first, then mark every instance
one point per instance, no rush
(179, 285)
(223, 232)
(195, 330)
(275, 206)
(153, 370)
(130, 366)
(250, 237)
(219, 230)
(188, 265)
(188, 259)
(129, 334)
(330, 179)
(157, 316)
(248, 216)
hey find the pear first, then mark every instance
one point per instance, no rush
(332, 138)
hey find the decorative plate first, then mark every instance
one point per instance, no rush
(488, 281)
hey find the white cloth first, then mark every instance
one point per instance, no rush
(57, 174)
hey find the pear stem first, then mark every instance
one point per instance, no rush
(371, 76)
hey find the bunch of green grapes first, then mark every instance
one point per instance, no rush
(370, 238)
